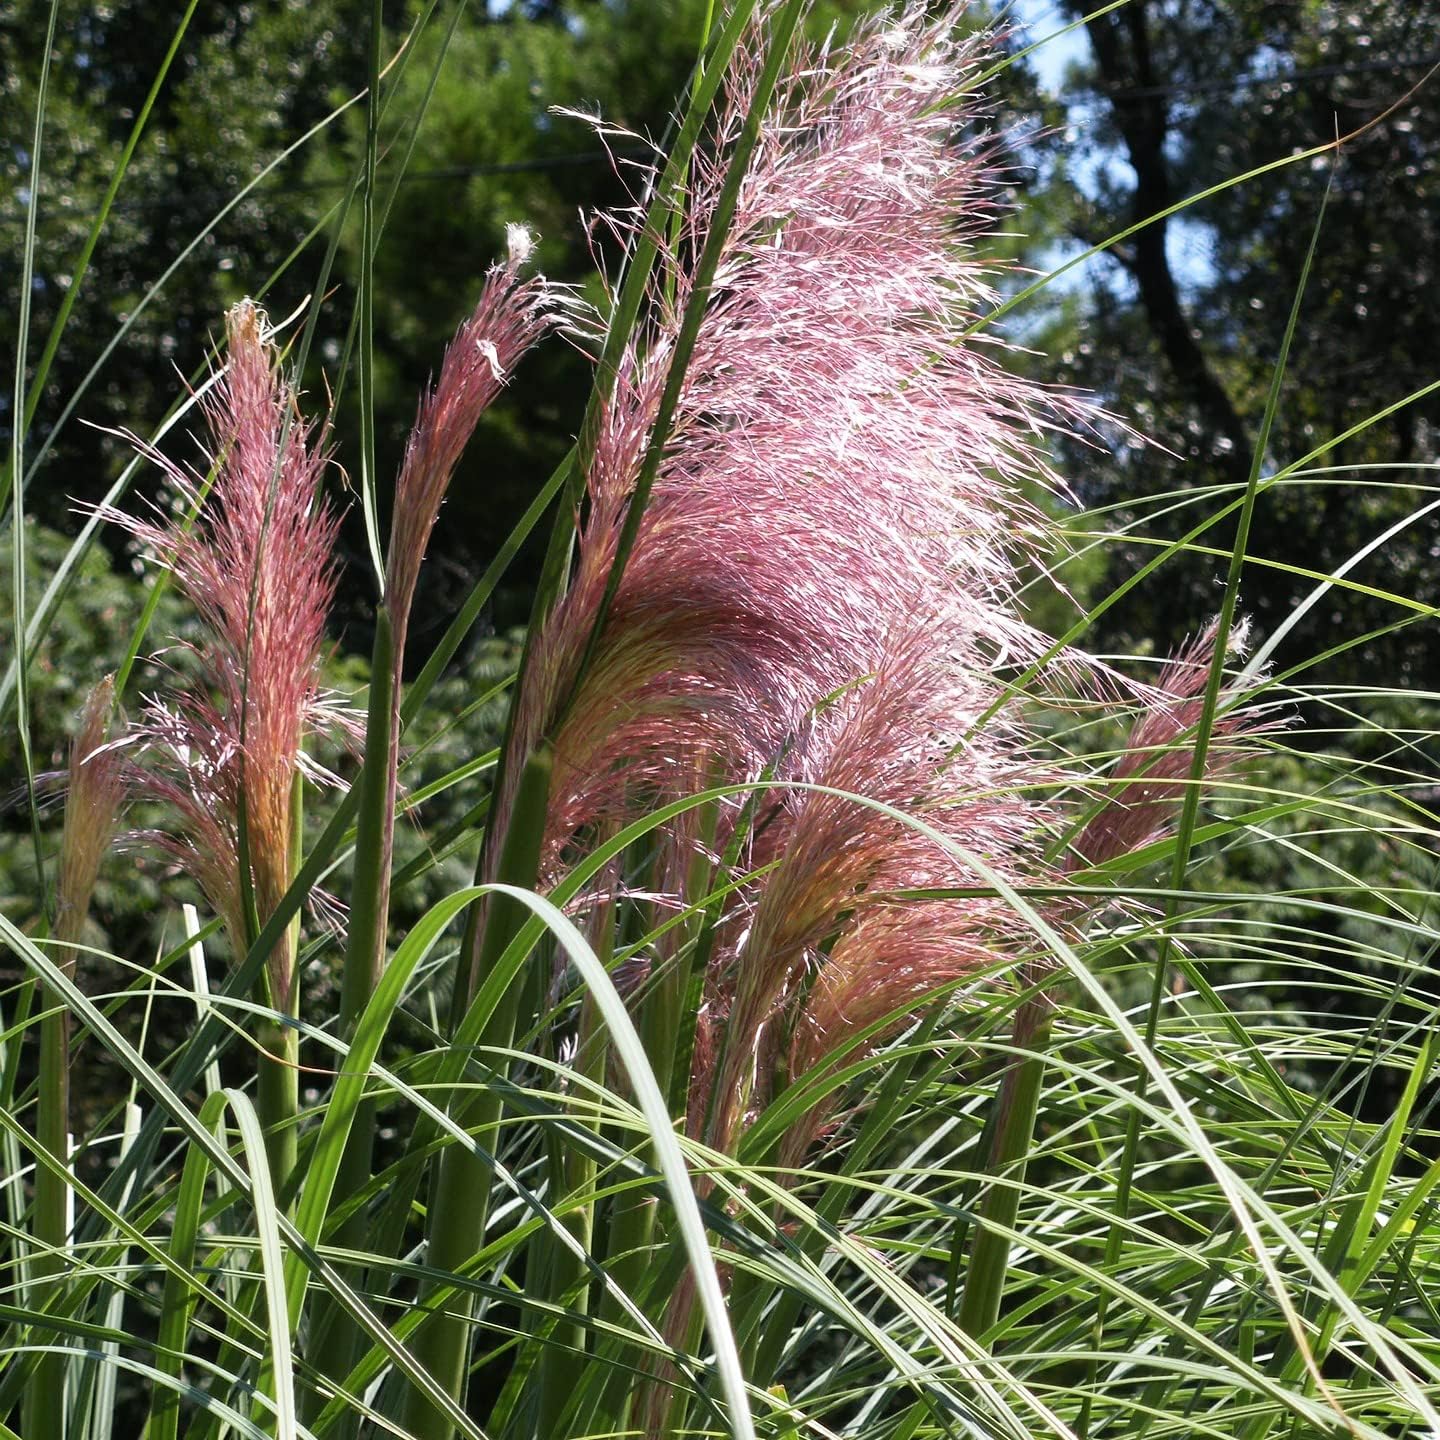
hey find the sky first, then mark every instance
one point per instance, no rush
(1041, 19)
(1187, 241)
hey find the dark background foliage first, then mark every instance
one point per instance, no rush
(1176, 329)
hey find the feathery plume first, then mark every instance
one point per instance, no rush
(258, 565)
(845, 457)
(839, 511)
(831, 935)
(841, 458)
(95, 792)
(822, 588)
(1147, 787)
(510, 316)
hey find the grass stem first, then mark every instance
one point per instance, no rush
(573, 1172)
(46, 1403)
(460, 1199)
(1017, 1106)
(337, 1337)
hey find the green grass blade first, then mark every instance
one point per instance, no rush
(97, 225)
(368, 245)
(631, 1052)
(18, 409)
(163, 1094)
(102, 1414)
(1190, 800)
(181, 1290)
(278, 1373)
(781, 32)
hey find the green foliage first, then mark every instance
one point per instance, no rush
(1222, 1225)
(1178, 326)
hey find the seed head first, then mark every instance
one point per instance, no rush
(510, 316)
(94, 794)
(842, 458)
(1145, 791)
(258, 564)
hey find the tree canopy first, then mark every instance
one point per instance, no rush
(246, 158)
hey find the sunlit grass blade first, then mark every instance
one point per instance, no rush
(1190, 801)
(181, 1291)
(153, 1084)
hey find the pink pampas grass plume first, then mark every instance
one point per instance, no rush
(95, 792)
(902, 953)
(823, 585)
(842, 458)
(833, 942)
(510, 316)
(1145, 790)
(259, 567)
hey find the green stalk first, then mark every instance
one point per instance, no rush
(1190, 800)
(368, 241)
(89, 819)
(750, 1291)
(1017, 1105)
(573, 1172)
(659, 1022)
(460, 1199)
(10, 1153)
(374, 834)
(627, 1246)
(632, 1213)
(763, 1358)
(45, 1410)
(177, 1306)
(632, 1228)
(669, 1400)
(677, 214)
(337, 1337)
(277, 1099)
(667, 1028)
(667, 1032)
(278, 1066)
(782, 32)
(17, 470)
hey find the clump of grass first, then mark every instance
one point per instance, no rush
(762, 1106)
(810, 602)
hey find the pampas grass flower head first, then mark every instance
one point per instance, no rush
(258, 563)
